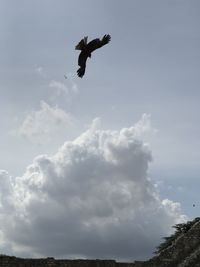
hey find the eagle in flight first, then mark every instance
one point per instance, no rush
(87, 49)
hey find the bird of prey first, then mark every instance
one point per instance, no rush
(87, 49)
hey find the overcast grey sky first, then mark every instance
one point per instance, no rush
(142, 88)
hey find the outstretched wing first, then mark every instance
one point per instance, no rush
(82, 63)
(87, 49)
(106, 39)
(97, 43)
(82, 44)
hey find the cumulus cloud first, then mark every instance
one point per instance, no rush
(62, 90)
(40, 126)
(40, 71)
(60, 87)
(92, 199)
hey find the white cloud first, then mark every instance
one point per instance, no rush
(93, 199)
(60, 87)
(41, 126)
(40, 70)
(62, 90)
(70, 79)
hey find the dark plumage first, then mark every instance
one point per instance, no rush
(87, 49)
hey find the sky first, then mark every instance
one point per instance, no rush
(103, 166)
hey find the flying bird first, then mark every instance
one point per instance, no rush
(87, 49)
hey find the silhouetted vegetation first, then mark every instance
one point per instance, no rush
(180, 229)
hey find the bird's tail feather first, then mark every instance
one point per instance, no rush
(81, 72)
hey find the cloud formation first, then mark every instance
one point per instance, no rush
(40, 126)
(62, 90)
(92, 199)
(40, 70)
